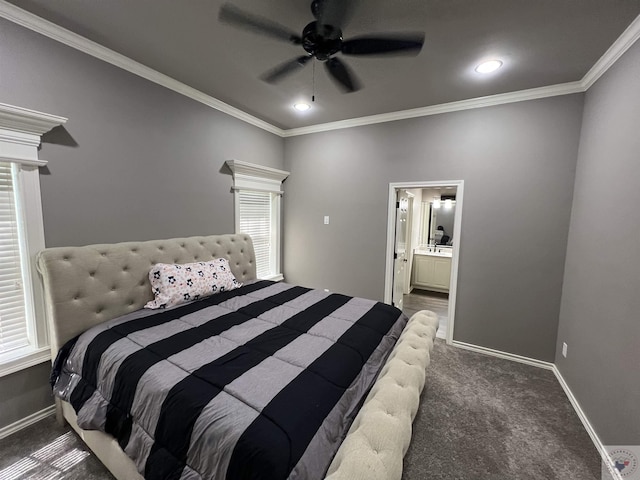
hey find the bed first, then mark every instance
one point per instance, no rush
(96, 285)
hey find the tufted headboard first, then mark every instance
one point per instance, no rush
(85, 286)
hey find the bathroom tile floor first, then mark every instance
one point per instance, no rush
(427, 300)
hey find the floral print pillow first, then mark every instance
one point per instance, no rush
(174, 284)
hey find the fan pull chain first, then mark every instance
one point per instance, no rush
(313, 81)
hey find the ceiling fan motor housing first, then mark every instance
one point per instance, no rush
(321, 41)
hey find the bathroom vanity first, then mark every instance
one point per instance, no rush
(432, 268)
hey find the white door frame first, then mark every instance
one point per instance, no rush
(410, 246)
(457, 224)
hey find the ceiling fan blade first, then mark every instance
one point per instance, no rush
(279, 72)
(409, 44)
(342, 75)
(239, 18)
(335, 13)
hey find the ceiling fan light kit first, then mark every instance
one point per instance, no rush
(489, 66)
(322, 40)
(301, 106)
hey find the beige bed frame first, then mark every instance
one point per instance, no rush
(85, 286)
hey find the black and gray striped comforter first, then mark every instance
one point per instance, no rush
(261, 382)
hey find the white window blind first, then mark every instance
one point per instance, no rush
(256, 221)
(13, 324)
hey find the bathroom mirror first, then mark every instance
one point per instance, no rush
(434, 216)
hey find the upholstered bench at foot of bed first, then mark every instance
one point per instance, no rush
(379, 437)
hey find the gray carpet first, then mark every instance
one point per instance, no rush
(481, 418)
(46, 451)
(487, 418)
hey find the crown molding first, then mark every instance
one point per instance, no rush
(480, 102)
(249, 176)
(19, 138)
(27, 121)
(253, 170)
(62, 35)
(21, 130)
(615, 51)
(66, 37)
(34, 162)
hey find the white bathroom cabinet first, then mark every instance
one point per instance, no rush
(432, 272)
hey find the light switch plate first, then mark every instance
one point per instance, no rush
(326, 219)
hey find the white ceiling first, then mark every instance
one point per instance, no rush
(541, 42)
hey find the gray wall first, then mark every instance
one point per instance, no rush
(135, 161)
(24, 392)
(518, 164)
(600, 301)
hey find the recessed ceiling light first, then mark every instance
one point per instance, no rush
(301, 107)
(490, 66)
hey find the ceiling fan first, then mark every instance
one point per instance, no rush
(322, 40)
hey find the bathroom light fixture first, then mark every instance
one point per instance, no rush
(436, 202)
(448, 203)
(489, 66)
(301, 107)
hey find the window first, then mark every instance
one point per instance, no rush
(257, 212)
(23, 329)
(14, 334)
(255, 217)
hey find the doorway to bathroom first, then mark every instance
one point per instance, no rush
(423, 244)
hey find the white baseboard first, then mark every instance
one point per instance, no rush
(506, 355)
(572, 399)
(587, 425)
(25, 422)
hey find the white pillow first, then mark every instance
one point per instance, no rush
(174, 284)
